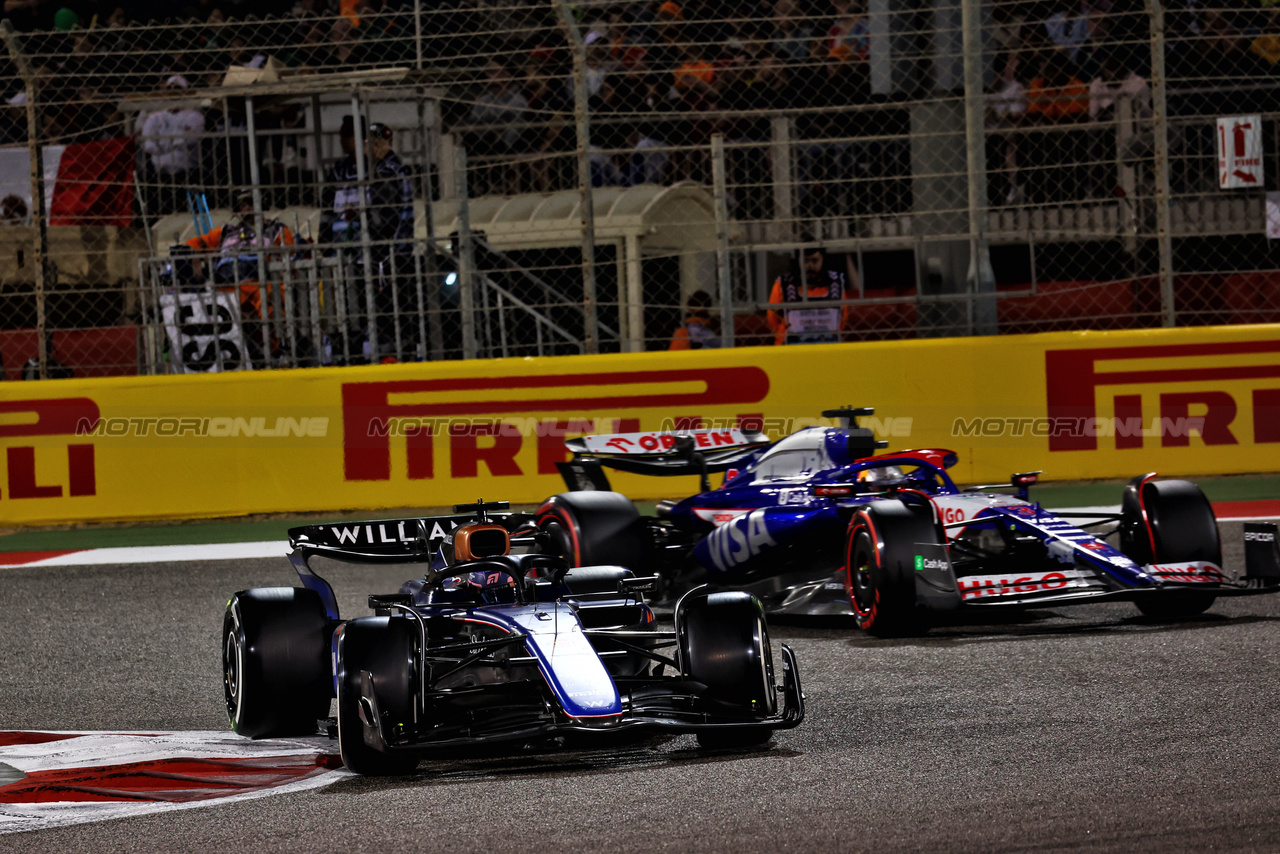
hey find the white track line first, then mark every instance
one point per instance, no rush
(166, 554)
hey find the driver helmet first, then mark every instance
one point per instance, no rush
(880, 474)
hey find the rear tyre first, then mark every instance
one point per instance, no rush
(880, 552)
(275, 661)
(385, 648)
(1170, 521)
(724, 644)
(595, 529)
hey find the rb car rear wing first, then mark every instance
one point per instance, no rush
(656, 453)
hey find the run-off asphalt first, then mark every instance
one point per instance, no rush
(1081, 727)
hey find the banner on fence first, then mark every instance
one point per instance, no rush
(1077, 405)
(204, 332)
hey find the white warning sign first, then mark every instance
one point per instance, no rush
(1239, 152)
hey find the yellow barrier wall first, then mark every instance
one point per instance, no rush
(1078, 405)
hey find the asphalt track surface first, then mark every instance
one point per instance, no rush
(1078, 728)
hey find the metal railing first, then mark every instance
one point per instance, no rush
(1061, 171)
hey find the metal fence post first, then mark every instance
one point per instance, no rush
(265, 300)
(466, 259)
(366, 252)
(980, 280)
(428, 275)
(1160, 132)
(783, 177)
(722, 238)
(591, 335)
(40, 216)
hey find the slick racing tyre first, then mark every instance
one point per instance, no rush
(1169, 521)
(724, 644)
(386, 649)
(880, 552)
(275, 661)
(595, 529)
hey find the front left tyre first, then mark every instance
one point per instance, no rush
(1169, 521)
(881, 546)
(724, 644)
(275, 661)
(385, 648)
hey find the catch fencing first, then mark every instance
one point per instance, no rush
(616, 176)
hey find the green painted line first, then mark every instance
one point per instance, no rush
(1215, 489)
(258, 530)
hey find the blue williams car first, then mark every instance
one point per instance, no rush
(820, 523)
(495, 640)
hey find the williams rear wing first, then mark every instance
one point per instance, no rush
(412, 540)
(384, 541)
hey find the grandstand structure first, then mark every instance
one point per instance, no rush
(566, 175)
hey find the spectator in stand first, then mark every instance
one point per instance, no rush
(497, 115)
(232, 251)
(1267, 45)
(171, 139)
(550, 113)
(740, 83)
(1056, 98)
(609, 134)
(599, 64)
(1113, 84)
(340, 199)
(695, 84)
(1006, 111)
(1010, 21)
(1100, 39)
(790, 35)
(699, 331)
(1056, 94)
(390, 218)
(695, 77)
(13, 210)
(849, 36)
(1068, 26)
(794, 323)
(666, 53)
(649, 158)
